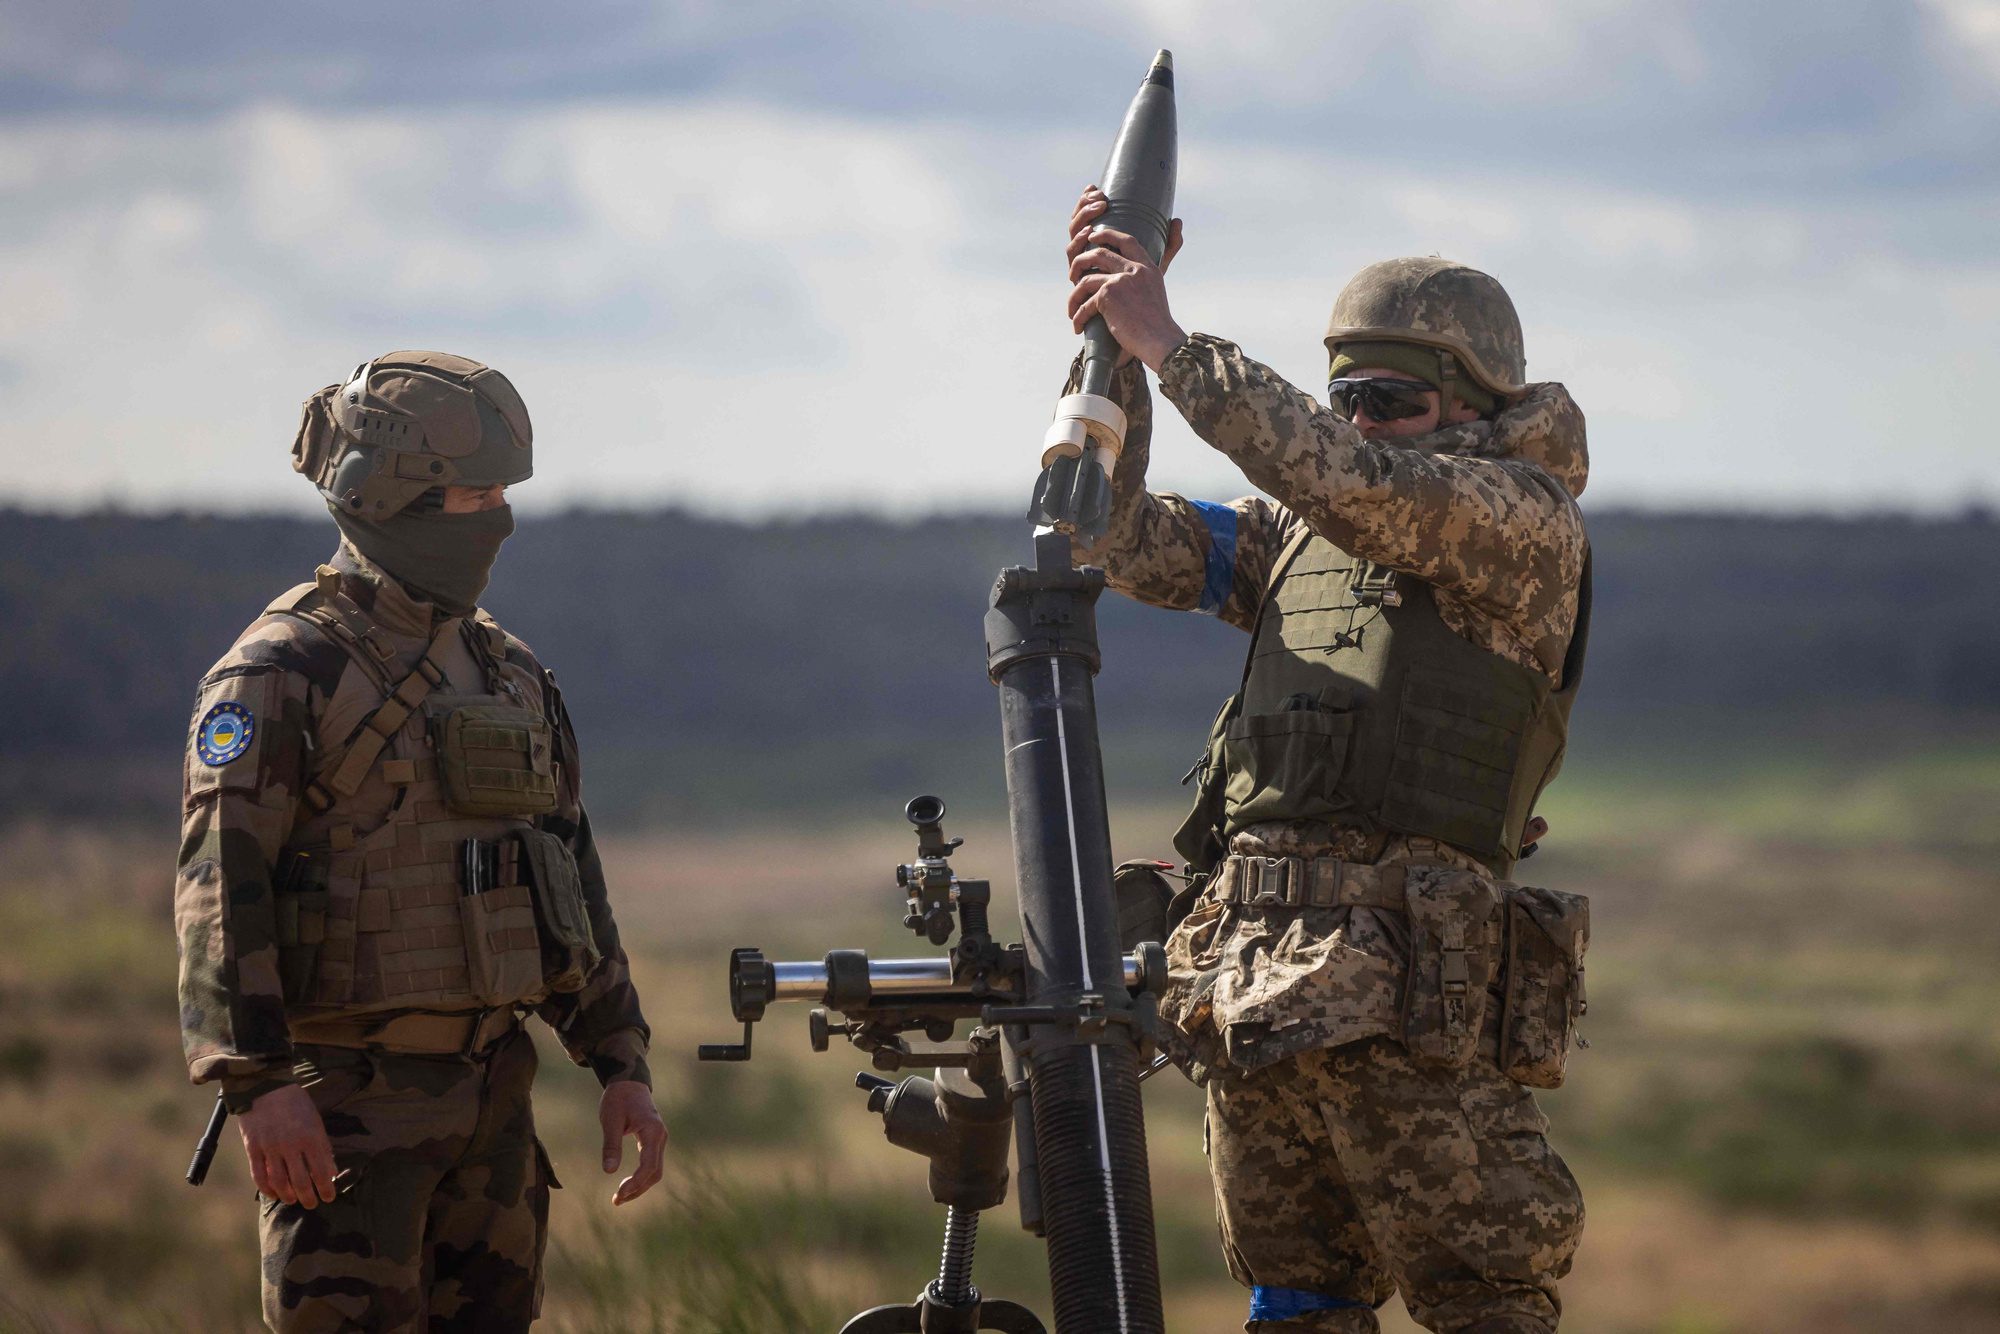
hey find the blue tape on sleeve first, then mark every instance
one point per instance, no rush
(1221, 523)
(1279, 1304)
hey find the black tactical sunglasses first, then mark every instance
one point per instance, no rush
(1383, 399)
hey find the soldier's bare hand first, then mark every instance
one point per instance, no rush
(1113, 276)
(627, 1109)
(1090, 206)
(291, 1159)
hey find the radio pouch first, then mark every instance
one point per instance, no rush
(496, 758)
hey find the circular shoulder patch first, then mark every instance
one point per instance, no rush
(224, 734)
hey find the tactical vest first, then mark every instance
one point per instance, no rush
(406, 884)
(1360, 707)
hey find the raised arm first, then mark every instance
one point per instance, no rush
(1168, 551)
(1483, 511)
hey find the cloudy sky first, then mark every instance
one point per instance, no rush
(776, 257)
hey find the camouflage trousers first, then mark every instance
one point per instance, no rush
(443, 1199)
(1351, 1172)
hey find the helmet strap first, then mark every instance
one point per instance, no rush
(1447, 374)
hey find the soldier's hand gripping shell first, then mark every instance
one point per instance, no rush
(1112, 275)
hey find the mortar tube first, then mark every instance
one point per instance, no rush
(1090, 1137)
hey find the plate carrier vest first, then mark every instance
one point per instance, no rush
(1361, 707)
(374, 906)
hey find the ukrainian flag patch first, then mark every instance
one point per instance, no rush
(224, 734)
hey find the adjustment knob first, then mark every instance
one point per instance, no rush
(878, 1089)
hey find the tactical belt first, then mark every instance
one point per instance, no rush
(1307, 882)
(412, 1032)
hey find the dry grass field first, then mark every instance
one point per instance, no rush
(1788, 1120)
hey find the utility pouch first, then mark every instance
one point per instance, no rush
(569, 951)
(1547, 933)
(495, 758)
(299, 904)
(1454, 947)
(1143, 893)
(503, 953)
(1285, 766)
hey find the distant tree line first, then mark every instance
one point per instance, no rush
(713, 663)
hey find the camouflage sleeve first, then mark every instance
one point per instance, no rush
(600, 1026)
(1501, 532)
(1168, 551)
(244, 766)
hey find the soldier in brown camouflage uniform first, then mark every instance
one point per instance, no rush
(1366, 1002)
(385, 863)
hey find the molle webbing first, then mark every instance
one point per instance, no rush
(398, 921)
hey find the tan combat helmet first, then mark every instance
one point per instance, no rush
(1434, 303)
(407, 422)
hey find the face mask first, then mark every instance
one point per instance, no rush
(446, 558)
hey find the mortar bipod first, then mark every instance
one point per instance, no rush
(961, 1122)
(962, 1116)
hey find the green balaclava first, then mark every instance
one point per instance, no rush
(444, 558)
(1408, 359)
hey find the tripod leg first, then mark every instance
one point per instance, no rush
(1006, 1317)
(887, 1320)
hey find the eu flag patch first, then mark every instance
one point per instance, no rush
(224, 734)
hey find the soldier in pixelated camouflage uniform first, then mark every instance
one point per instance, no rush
(385, 864)
(1367, 1002)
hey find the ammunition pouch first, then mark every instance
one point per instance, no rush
(299, 904)
(495, 758)
(1547, 932)
(569, 951)
(502, 947)
(1455, 947)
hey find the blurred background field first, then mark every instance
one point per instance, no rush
(1788, 1119)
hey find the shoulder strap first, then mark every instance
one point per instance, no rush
(488, 643)
(1286, 556)
(341, 775)
(324, 605)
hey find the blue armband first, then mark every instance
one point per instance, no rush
(1220, 520)
(1278, 1304)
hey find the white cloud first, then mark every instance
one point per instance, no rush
(761, 305)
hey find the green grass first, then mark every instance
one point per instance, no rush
(1792, 999)
(1822, 796)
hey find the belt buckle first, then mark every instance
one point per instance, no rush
(1272, 882)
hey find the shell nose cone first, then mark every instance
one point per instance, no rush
(1163, 60)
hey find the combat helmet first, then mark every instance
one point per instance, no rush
(406, 423)
(1434, 303)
